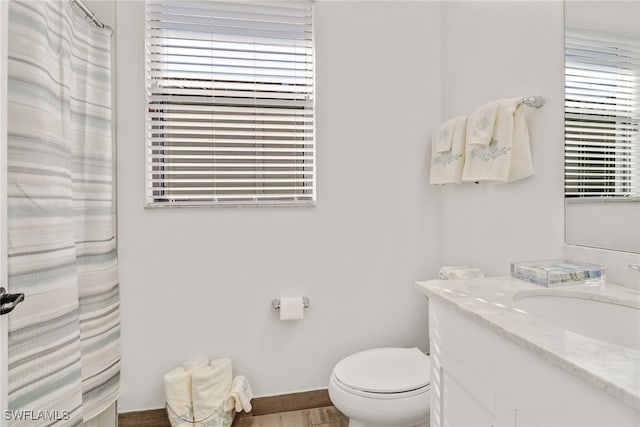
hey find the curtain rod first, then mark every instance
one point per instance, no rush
(91, 17)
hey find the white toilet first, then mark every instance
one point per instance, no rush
(383, 387)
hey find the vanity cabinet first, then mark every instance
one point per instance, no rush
(464, 403)
(482, 378)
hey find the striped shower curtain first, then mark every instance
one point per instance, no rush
(64, 358)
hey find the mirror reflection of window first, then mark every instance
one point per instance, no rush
(602, 114)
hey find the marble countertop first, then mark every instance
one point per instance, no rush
(611, 368)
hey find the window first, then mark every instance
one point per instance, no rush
(602, 116)
(230, 103)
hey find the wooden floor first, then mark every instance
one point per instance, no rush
(303, 409)
(327, 416)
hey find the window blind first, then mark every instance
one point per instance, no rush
(230, 103)
(602, 117)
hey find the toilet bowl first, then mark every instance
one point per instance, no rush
(383, 387)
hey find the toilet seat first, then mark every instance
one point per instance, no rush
(376, 395)
(390, 373)
(387, 387)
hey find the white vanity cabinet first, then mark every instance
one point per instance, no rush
(464, 401)
(480, 377)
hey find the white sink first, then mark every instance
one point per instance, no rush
(616, 323)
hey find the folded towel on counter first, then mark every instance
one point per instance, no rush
(443, 135)
(447, 166)
(177, 389)
(450, 272)
(241, 395)
(211, 386)
(481, 124)
(508, 156)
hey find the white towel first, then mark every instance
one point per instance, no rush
(492, 162)
(450, 272)
(481, 124)
(189, 365)
(521, 162)
(211, 385)
(223, 370)
(241, 395)
(443, 135)
(177, 389)
(447, 166)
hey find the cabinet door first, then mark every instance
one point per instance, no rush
(460, 407)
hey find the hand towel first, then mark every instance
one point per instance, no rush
(492, 162)
(447, 166)
(189, 365)
(177, 389)
(223, 370)
(521, 162)
(241, 395)
(481, 124)
(211, 385)
(450, 272)
(443, 136)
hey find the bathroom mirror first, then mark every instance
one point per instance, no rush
(602, 124)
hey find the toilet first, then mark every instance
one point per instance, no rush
(383, 387)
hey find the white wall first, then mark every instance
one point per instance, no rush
(105, 10)
(496, 50)
(199, 282)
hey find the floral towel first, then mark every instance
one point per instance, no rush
(481, 124)
(177, 388)
(443, 136)
(447, 166)
(202, 393)
(507, 157)
(183, 417)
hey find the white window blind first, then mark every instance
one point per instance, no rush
(602, 115)
(230, 103)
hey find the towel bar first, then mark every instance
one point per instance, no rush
(532, 101)
(276, 303)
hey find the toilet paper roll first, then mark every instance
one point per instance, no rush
(291, 308)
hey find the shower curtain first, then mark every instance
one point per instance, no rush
(64, 355)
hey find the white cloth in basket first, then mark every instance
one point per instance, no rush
(241, 395)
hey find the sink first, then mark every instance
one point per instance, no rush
(614, 322)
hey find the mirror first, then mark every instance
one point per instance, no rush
(602, 124)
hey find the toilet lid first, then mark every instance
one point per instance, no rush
(384, 370)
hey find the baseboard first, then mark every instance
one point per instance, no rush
(147, 418)
(261, 406)
(288, 402)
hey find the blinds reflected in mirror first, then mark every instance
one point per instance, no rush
(230, 100)
(602, 116)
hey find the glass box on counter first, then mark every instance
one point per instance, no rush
(558, 272)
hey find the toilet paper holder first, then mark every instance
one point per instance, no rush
(276, 303)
